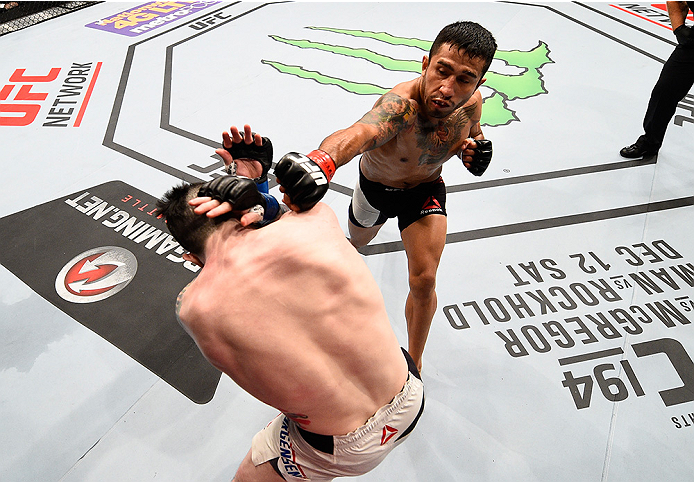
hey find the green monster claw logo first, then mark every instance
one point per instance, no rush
(505, 87)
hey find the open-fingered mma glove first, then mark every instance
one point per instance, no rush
(262, 154)
(242, 193)
(481, 158)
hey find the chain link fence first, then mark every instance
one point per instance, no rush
(19, 15)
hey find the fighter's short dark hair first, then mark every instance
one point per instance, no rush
(189, 229)
(471, 37)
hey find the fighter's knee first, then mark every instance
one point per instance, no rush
(423, 284)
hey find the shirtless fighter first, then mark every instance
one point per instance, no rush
(292, 314)
(405, 139)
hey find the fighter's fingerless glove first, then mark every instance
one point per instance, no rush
(262, 154)
(305, 178)
(240, 192)
(482, 157)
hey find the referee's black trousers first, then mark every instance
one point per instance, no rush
(676, 78)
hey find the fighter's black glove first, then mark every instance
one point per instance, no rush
(685, 36)
(305, 178)
(242, 193)
(262, 154)
(481, 158)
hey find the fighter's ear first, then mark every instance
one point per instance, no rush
(193, 259)
(425, 63)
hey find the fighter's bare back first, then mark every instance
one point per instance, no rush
(308, 332)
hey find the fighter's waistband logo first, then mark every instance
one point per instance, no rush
(388, 433)
(96, 274)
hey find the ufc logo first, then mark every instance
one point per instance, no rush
(314, 171)
(20, 113)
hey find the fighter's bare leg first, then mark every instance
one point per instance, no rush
(359, 236)
(424, 241)
(247, 472)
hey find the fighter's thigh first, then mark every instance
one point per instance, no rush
(424, 241)
(247, 472)
(359, 236)
(364, 220)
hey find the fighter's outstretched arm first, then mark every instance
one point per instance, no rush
(304, 178)
(389, 115)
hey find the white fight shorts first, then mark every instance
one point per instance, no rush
(298, 455)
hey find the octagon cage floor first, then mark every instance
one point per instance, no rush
(561, 348)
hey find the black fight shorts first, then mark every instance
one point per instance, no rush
(374, 203)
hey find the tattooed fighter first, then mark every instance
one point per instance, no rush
(405, 139)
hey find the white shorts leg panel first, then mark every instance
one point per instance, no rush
(365, 214)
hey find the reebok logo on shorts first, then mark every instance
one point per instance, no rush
(387, 434)
(431, 206)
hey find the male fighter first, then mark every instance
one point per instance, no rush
(405, 138)
(292, 314)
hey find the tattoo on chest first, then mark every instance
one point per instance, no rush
(436, 141)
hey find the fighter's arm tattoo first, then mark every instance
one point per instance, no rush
(436, 142)
(390, 115)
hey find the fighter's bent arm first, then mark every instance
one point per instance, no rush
(476, 132)
(476, 159)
